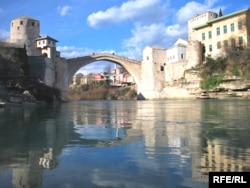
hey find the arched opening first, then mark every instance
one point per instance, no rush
(133, 67)
(99, 80)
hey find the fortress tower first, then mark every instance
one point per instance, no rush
(25, 30)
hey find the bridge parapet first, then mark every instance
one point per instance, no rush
(103, 55)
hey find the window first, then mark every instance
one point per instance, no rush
(182, 56)
(33, 23)
(218, 31)
(240, 25)
(232, 27)
(21, 22)
(240, 41)
(210, 48)
(209, 34)
(233, 42)
(218, 45)
(225, 43)
(225, 29)
(147, 58)
(203, 36)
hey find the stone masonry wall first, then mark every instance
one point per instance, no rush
(61, 77)
(175, 71)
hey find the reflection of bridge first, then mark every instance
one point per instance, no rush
(132, 66)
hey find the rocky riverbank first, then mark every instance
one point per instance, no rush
(25, 90)
(103, 93)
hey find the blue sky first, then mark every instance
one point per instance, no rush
(125, 27)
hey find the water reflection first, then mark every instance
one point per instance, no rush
(226, 137)
(123, 143)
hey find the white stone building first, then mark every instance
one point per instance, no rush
(47, 46)
(177, 52)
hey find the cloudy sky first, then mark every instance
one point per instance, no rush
(125, 27)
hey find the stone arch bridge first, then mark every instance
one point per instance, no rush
(132, 66)
(144, 73)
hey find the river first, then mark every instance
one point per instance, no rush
(128, 144)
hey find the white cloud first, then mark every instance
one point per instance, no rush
(71, 51)
(63, 10)
(151, 26)
(137, 10)
(145, 35)
(163, 34)
(176, 30)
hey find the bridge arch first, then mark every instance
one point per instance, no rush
(132, 66)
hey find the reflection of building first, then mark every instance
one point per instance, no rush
(223, 158)
(26, 174)
(47, 161)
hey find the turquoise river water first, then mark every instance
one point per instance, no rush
(123, 144)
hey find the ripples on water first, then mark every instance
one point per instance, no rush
(172, 143)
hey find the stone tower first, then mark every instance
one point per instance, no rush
(24, 30)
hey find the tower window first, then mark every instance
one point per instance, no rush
(210, 34)
(232, 27)
(33, 23)
(225, 28)
(21, 22)
(240, 25)
(203, 36)
(218, 31)
(210, 48)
